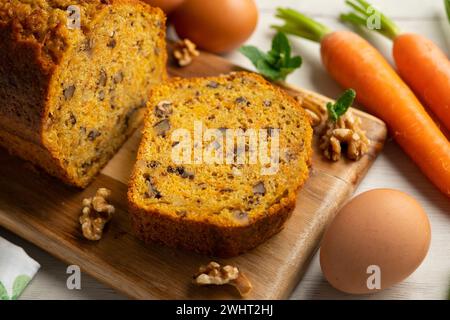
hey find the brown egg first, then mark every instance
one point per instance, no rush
(376, 240)
(216, 26)
(166, 5)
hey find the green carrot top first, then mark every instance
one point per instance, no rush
(365, 15)
(298, 24)
(447, 8)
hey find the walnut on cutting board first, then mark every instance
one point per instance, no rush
(338, 132)
(315, 109)
(346, 130)
(214, 274)
(184, 52)
(96, 213)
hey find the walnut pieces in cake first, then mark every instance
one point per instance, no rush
(229, 217)
(80, 87)
(346, 130)
(163, 109)
(184, 52)
(96, 213)
(215, 274)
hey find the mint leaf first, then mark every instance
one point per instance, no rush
(267, 70)
(277, 63)
(294, 62)
(340, 107)
(281, 46)
(252, 53)
(273, 58)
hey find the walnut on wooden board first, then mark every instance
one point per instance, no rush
(315, 109)
(345, 131)
(184, 52)
(214, 274)
(95, 214)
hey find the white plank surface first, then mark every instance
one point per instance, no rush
(393, 169)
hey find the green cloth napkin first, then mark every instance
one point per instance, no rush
(16, 270)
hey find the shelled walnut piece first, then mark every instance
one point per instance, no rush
(96, 213)
(215, 274)
(316, 110)
(184, 52)
(346, 130)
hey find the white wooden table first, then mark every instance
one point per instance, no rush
(392, 170)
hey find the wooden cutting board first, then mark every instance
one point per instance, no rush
(45, 212)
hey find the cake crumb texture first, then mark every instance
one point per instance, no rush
(218, 208)
(71, 96)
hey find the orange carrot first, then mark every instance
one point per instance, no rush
(354, 63)
(421, 63)
(427, 70)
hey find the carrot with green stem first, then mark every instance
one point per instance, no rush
(447, 8)
(447, 30)
(421, 63)
(354, 63)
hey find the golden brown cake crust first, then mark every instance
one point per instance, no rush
(34, 38)
(208, 236)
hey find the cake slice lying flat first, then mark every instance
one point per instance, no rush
(219, 165)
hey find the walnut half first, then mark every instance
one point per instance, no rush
(184, 52)
(345, 131)
(315, 109)
(215, 274)
(96, 213)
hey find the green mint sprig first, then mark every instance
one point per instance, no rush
(340, 107)
(276, 64)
